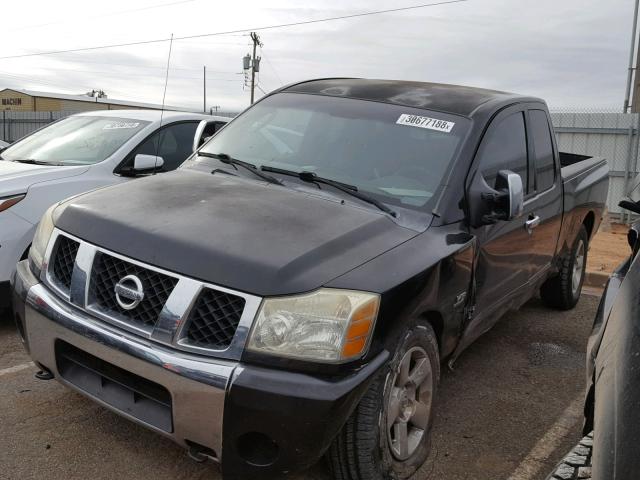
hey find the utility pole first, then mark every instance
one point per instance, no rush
(635, 95)
(631, 69)
(255, 64)
(204, 88)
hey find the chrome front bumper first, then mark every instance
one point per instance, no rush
(197, 385)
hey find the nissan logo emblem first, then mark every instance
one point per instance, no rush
(129, 292)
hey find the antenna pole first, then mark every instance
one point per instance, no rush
(164, 96)
(204, 89)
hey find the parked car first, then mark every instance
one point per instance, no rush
(610, 429)
(293, 288)
(613, 367)
(80, 153)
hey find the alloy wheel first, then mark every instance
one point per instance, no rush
(409, 403)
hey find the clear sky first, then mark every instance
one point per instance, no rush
(573, 53)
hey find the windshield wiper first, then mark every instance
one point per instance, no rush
(343, 187)
(37, 162)
(224, 158)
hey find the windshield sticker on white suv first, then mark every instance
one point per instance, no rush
(425, 122)
(115, 125)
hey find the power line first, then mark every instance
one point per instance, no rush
(229, 32)
(22, 78)
(272, 67)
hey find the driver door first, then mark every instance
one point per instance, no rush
(503, 262)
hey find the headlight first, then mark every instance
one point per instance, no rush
(7, 202)
(41, 239)
(328, 325)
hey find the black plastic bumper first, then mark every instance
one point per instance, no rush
(277, 421)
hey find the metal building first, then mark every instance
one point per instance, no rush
(33, 101)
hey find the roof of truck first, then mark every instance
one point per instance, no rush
(454, 99)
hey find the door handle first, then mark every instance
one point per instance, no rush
(532, 223)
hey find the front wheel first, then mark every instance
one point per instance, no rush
(388, 434)
(563, 290)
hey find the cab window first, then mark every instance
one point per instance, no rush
(543, 146)
(505, 148)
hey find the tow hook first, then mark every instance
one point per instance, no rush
(44, 375)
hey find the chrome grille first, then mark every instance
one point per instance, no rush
(64, 257)
(176, 311)
(214, 319)
(109, 270)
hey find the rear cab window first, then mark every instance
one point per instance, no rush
(540, 133)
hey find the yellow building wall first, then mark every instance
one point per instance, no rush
(21, 102)
(76, 106)
(16, 101)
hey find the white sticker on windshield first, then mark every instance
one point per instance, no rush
(425, 122)
(115, 125)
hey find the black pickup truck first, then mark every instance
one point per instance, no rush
(294, 288)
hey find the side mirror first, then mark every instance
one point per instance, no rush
(143, 162)
(489, 205)
(511, 184)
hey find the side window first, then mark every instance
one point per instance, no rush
(541, 137)
(209, 130)
(173, 143)
(505, 148)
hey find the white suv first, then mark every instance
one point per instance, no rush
(80, 153)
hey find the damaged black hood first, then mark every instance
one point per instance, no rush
(246, 235)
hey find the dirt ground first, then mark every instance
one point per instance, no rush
(510, 409)
(608, 248)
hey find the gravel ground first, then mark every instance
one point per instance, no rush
(504, 394)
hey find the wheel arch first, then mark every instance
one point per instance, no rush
(589, 222)
(25, 254)
(436, 320)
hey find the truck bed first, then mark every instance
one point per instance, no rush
(585, 182)
(573, 165)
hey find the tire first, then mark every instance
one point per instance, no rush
(563, 290)
(365, 449)
(576, 465)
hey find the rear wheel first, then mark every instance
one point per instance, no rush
(388, 435)
(563, 290)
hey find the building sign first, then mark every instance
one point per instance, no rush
(11, 101)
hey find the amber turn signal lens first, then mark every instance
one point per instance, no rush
(360, 328)
(9, 202)
(354, 348)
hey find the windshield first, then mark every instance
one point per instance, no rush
(75, 141)
(396, 154)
